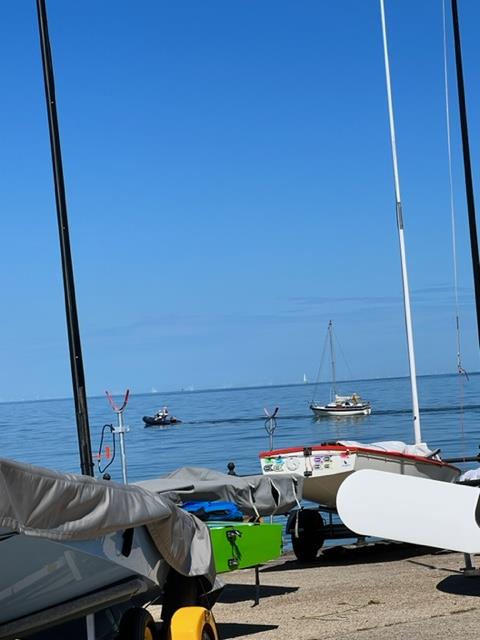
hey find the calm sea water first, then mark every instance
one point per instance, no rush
(228, 425)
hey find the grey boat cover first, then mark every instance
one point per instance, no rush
(35, 501)
(255, 495)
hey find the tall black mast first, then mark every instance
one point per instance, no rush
(466, 162)
(76, 361)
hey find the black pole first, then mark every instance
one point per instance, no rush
(462, 459)
(76, 362)
(466, 163)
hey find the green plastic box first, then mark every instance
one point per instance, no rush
(238, 545)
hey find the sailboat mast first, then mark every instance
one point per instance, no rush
(466, 162)
(399, 216)
(76, 361)
(332, 361)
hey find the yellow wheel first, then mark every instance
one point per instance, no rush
(137, 624)
(193, 623)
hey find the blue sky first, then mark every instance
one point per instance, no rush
(229, 189)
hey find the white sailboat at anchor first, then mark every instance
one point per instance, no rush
(352, 405)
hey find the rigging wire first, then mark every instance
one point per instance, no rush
(320, 368)
(462, 374)
(460, 368)
(322, 360)
(342, 353)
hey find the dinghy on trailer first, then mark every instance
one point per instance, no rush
(72, 545)
(256, 496)
(236, 545)
(326, 466)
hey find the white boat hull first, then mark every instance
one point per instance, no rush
(47, 573)
(335, 410)
(412, 510)
(324, 469)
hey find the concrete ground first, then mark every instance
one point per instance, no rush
(383, 591)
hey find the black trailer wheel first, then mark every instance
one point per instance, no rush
(137, 624)
(307, 534)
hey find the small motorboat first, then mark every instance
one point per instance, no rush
(160, 421)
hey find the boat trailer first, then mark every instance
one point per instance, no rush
(309, 527)
(118, 613)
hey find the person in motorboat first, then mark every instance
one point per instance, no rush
(161, 417)
(162, 414)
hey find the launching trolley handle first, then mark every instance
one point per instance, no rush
(121, 429)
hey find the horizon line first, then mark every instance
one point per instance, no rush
(191, 389)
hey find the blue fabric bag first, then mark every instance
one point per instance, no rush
(216, 510)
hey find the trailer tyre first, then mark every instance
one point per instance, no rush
(193, 623)
(137, 624)
(311, 535)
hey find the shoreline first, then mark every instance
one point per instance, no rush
(378, 591)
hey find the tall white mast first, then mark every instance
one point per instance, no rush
(406, 291)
